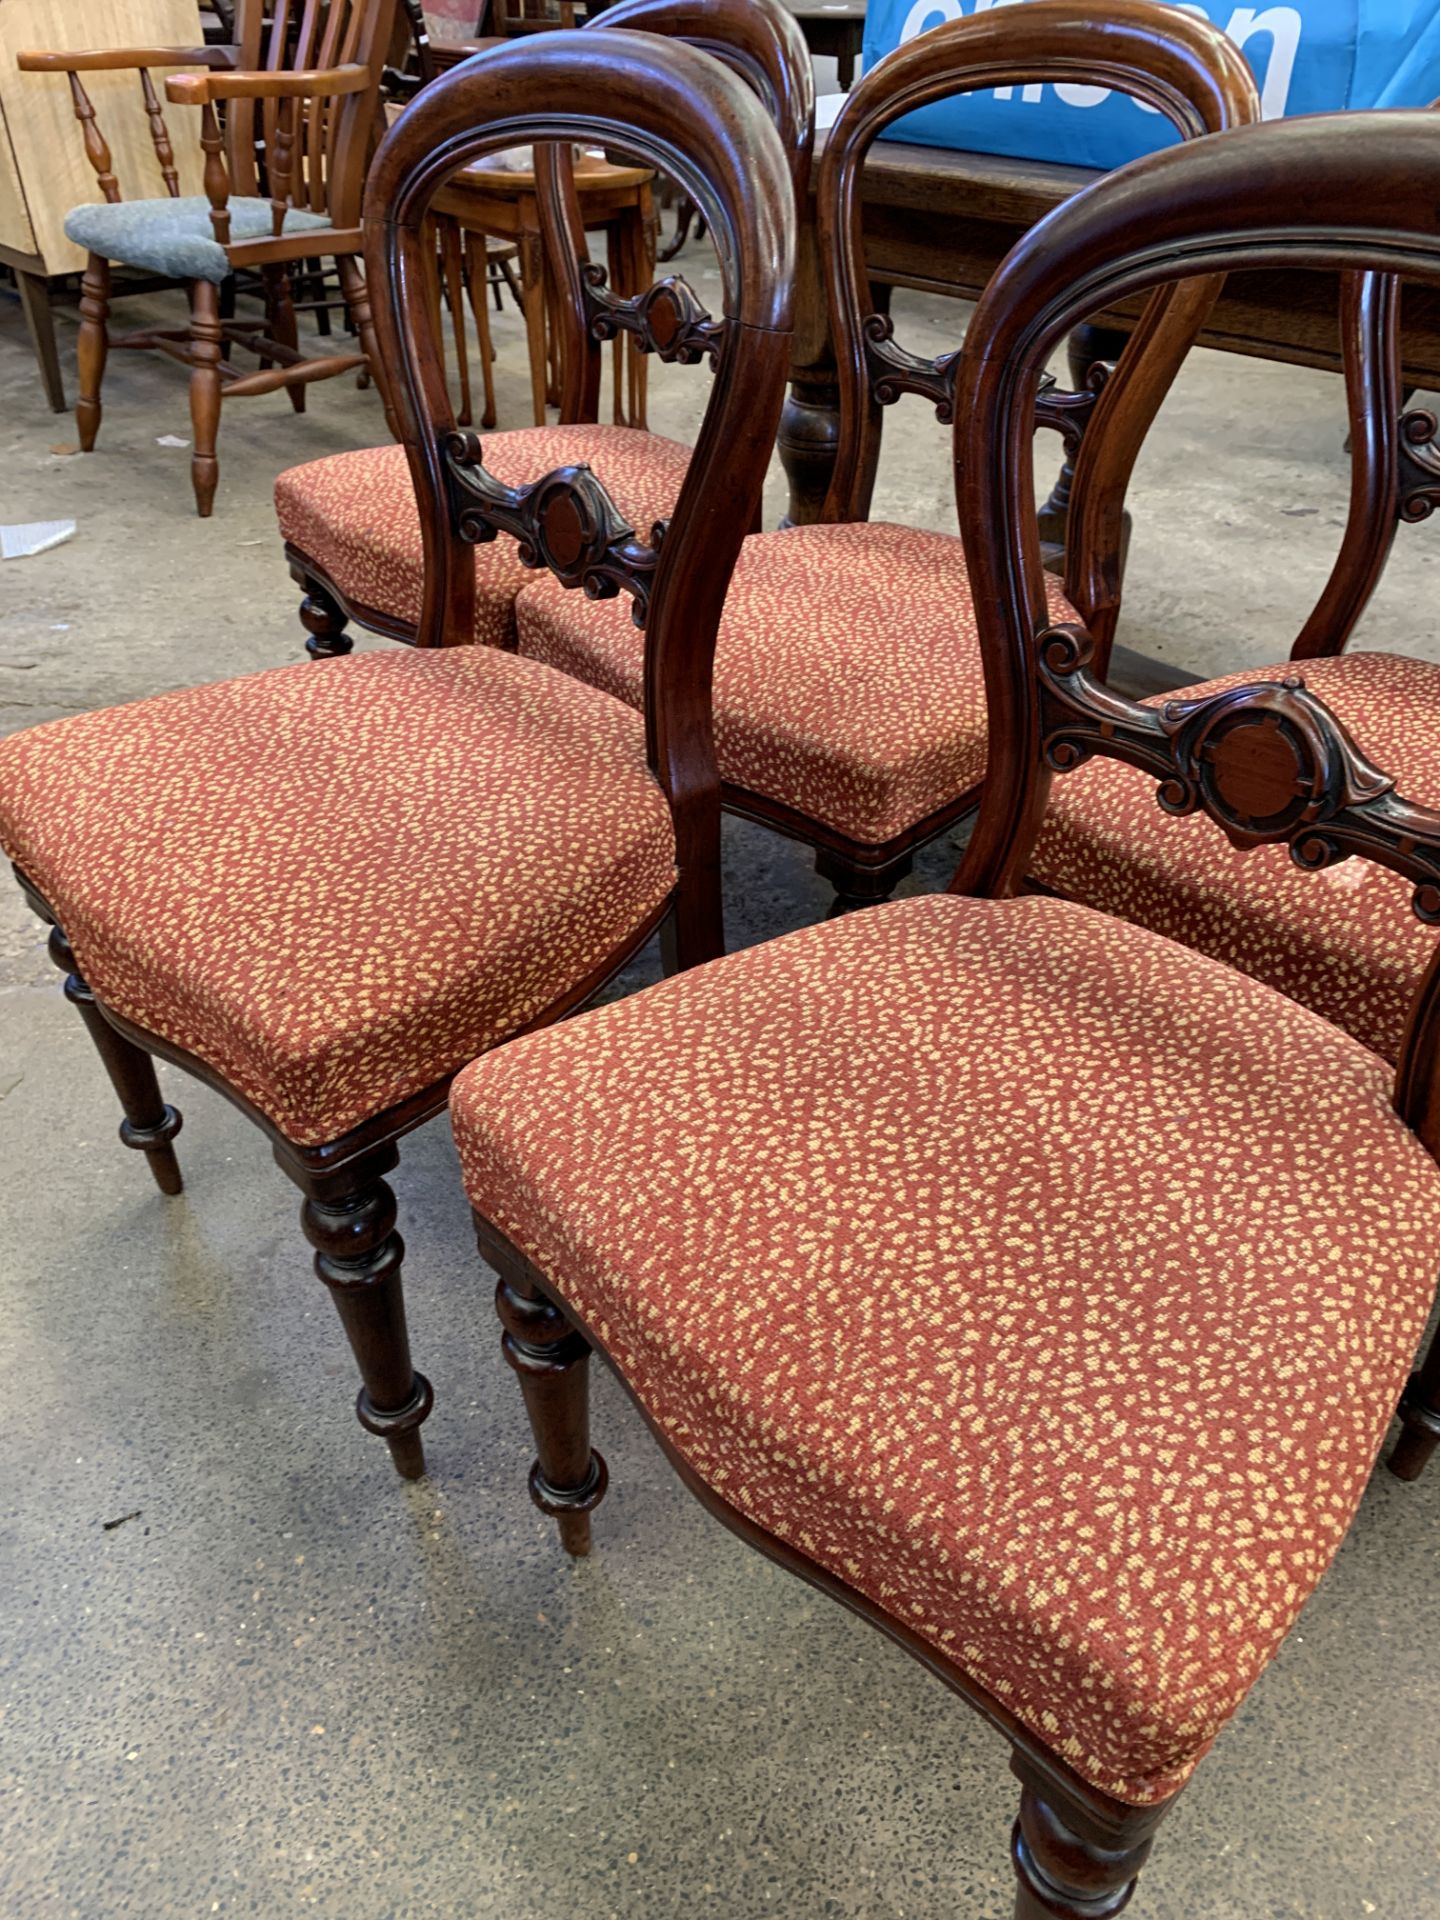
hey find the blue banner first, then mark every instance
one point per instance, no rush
(1311, 57)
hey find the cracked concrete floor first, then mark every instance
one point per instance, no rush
(290, 1684)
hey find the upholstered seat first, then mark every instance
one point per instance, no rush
(1046, 1282)
(175, 237)
(354, 514)
(336, 883)
(1344, 942)
(848, 685)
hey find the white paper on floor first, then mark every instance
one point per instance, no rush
(171, 440)
(35, 536)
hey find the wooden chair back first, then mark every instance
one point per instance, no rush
(761, 41)
(1161, 56)
(660, 103)
(1357, 193)
(1394, 461)
(319, 146)
(512, 17)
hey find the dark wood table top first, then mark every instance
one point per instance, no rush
(941, 221)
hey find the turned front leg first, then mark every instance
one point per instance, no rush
(349, 1219)
(149, 1124)
(325, 621)
(92, 347)
(1065, 1875)
(552, 1362)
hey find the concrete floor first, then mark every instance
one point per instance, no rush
(291, 1684)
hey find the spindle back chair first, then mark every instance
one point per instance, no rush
(288, 119)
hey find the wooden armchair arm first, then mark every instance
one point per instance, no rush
(201, 89)
(204, 90)
(116, 59)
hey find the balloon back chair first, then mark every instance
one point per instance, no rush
(499, 839)
(1037, 1287)
(1350, 950)
(849, 698)
(300, 92)
(349, 522)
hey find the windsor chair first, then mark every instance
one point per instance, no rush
(283, 178)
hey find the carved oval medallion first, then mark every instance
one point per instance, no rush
(1257, 770)
(563, 530)
(665, 318)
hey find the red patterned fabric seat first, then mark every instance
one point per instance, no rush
(1090, 1271)
(354, 514)
(500, 832)
(848, 684)
(1344, 942)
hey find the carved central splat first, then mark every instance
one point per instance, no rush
(892, 370)
(565, 521)
(1267, 762)
(667, 319)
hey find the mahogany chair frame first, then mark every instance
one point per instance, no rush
(673, 106)
(1182, 67)
(301, 95)
(761, 42)
(1269, 763)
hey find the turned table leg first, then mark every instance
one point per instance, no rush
(1087, 346)
(810, 423)
(40, 325)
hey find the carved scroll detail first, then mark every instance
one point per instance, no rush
(565, 521)
(667, 319)
(1268, 762)
(892, 371)
(1068, 414)
(1419, 465)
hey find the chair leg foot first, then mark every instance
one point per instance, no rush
(1062, 1875)
(91, 348)
(150, 1124)
(844, 903)
(325, 621)
(857, 886)
(1420, 1415)
(349, 1219)
(552, 1361)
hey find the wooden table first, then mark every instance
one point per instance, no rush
(833, 29)
(942, 221)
